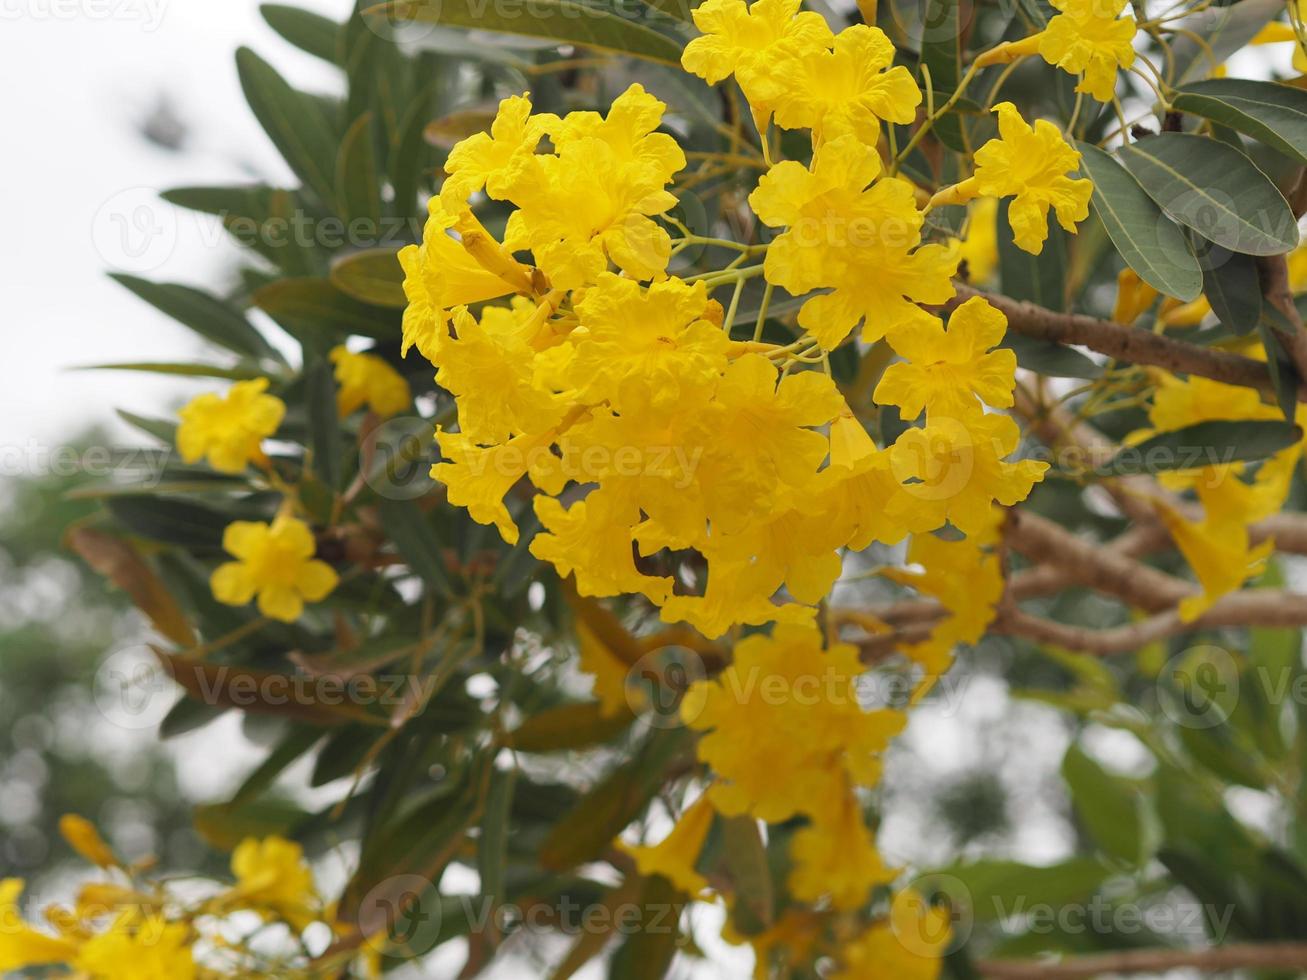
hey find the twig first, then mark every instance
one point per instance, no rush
(1268, 956)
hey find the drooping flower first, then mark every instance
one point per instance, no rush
(909, 945)
(83, 838)
(229, 430)
(846, 91)
(947, 371)
(1220, 554)
(484, 160)
(273, 878)
(1031, 165)
(21, 946)
(1090, 38)
(747, 41)
(366, 379)
(275, 562)
(863, 242)
(675, 857)
(786, 733)
(836, 856)
(439, 275)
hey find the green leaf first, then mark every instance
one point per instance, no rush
(1284, 374)
(1234, 291)
(358, 188)
(1038, 279)
(1223, 30)
(407, 526)
(165, 430)
(180, 522)
(1273, 114)
(1148, 241)
(207, 315)
(567, 727)
(997, 889)
(1051, 359)
(1214, 189)
(1108, 806)
(294, 744)
(410, 155)
(318, 35)
(294, 121)
(650, 947)
(313, 305)
(186, 370)
(557, 20)
(224, 826)
(492, 847)
(1204, 444)
(373, 276)
(324, 421)
(744, 858)
(941, 53)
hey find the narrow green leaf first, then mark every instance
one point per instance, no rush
(557, 20)
(492, 847)
(314, 305)
(941, 53)
(1108, 806)
(294, 121)
(207, 315)
(358, 187)
(308, 31)
(180, 522)
(186, 370)
(1222, 30)
(373, 276)
(1273, 114)
(568, 727)
(1214, 189)
(294, 744)
(324, 421)
(1204, 444)
(997, 889)
(1233, 290)
(410, 156)
(1038, 279)
(1149, 242)
(165, 430)
(407, 526)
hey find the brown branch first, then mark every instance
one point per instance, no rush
(1268, 956)
(1273, 273)
(1257, 607)
(1127, 343)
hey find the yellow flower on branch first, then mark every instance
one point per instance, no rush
(135, 948)
(909, 945)
(273, 878)
(862, 242)
(366, 379)
(1090, 38)
(21, 946)
(230, 430)
(275, 562)
(675, 857)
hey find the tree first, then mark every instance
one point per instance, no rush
(906, 355)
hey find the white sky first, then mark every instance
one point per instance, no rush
(76, 76)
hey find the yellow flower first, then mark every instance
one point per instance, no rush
(488, 367)
(954, 469)
(1134, 297)
(859, 499)
(947, 372)
(679, 851)
(83, 838)
(439, 275)
(592, 540)
(21, 946)
(786, 733)
(836, 856)
(1220, 554)
(966, 579)
(908, 946)
(979, 249)
(592, 200)
(1088, 39)
(229, 430)
(366, 379)
(274, 561)
(139, 949)
(747, 41)
(650, 347)
(846, 91)
(608, 671)
(484, 160)
(1031, 166)
(863, 242)
(273, 879)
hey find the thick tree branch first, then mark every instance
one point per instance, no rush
(1268, 956)
(1128, 343)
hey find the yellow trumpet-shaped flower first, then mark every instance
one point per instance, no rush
(229, 430)
(366, 379)
(441, 274)
(947, 371)
(21, 946)
(908, 946)
(1090, 38)
(846, 91)
(484, 160)
(1220, 554)
(273, 878)
(135, 948)
(746, 40)
(1031, 165)
(275, 562)
(863, 242)
(675, 857)
(836, 856)
(83, 838)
